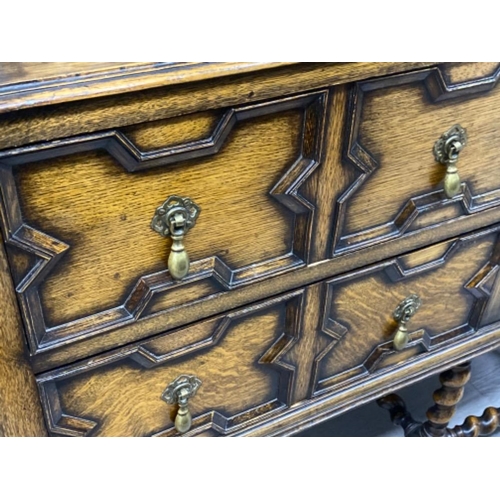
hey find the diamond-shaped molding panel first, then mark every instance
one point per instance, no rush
(48, 250)
(483, 286)
(165, 349)
(435, 84)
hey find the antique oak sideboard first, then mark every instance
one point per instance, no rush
(243, 249)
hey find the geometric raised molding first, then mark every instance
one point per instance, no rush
(442, 83)
(435, 87)
(220, 424)
(59, 423)
(175, 347)
(47, 250)
(335, 331)
(483, 286)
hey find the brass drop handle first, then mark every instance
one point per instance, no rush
(179, 392)
(405, 310)
(446, 151)
(174, 218)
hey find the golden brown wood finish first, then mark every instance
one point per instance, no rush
(62, 200)
(20, 412)
(89, 206)
(173, 132)
(109, 205)
(28, 84)
(23, 73)
(457, 284)
(456, 73)
(109, 228)
(473, 426)
(237, 357)
(446, 399)
(51, 122)
(345, 398)
(394, 123)
(181, 313)
(320, 340)
(253, 363)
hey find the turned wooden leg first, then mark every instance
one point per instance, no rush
(446, 399)
(484, 425)
(400, 415)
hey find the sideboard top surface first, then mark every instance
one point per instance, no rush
(32, 84)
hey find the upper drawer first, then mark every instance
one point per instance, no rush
(393, 125)
(78, 213)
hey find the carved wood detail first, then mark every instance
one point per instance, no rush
(473, 426)
(58, 422)
(442, 84)
(47, 251)
(484, 286)
(437, 87)
(446, 399)
(222, 425)
(179, 345)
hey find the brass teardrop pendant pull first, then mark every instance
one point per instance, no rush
(179, 392)
(446, 151)
(405, 310)
(174, 218)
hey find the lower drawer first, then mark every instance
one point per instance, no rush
(268, 365)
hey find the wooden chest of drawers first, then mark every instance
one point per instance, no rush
(311, 199)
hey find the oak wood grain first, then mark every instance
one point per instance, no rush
(236, 357)
(104, 214)
(310, 412)
(464, 72)
(27, 84)
(188, 111)
(20, 408)
(302, 356)
(363, 302)
(394, 128)
(327, 184)
(117, 393)
(174, 131)
(19, 73)
(87, 209)
(331, 180)
(129, 108)
(216, 303)
(125, 399)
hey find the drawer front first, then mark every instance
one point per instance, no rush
(266, 360)
(235, 357)
(397, 184)
(77, 213)
(456, 284)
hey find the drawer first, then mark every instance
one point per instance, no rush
(454, 286)
(78, 214)
(235, 357)
(290, 191)
(328, 343)
(393, 126)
